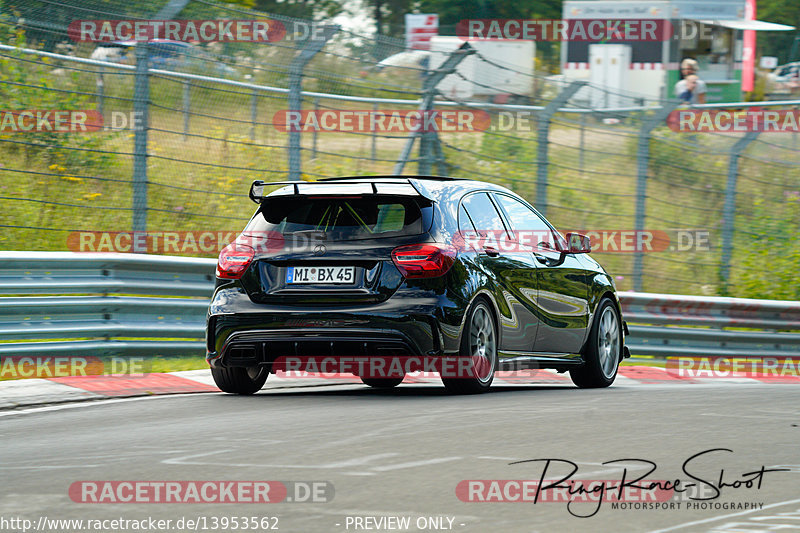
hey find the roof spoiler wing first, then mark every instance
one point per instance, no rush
(258, 187)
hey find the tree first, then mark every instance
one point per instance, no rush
(388, 14)
(304, 9)
(300, 9)
(450, 13)
(779, 43)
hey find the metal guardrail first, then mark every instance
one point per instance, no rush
(112, 304)
(693, 326)
(103, 304)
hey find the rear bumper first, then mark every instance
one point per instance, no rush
(260, 334)
(257, 347)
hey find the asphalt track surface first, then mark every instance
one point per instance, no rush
(402, 453)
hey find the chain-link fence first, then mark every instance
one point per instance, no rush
(187, 127)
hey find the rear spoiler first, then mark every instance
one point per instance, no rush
(257, 188)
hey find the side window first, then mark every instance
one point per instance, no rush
(527, 225)
(483, 213)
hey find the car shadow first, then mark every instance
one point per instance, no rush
(403, 391)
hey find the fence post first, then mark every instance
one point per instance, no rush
(315, 132)
(253, 115)
(101, 86)
(441, 165)
(186, 107)
(642, 165)
(729, 207)
(582, 145)
(374, 150)
(428, 142)
(310, 48)
(543, 131)
(141, 102)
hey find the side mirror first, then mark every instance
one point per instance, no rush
(578, 243)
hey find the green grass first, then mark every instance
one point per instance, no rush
(175, 364)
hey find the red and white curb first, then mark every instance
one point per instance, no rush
(28, 392)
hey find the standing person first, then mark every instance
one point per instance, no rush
(696, 88)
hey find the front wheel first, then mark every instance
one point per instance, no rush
(603, 349)
(478, 356)
(240, 380)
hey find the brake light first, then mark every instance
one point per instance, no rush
(234, 260)
(423, 260)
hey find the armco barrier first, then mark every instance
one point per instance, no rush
(103, 304)
(111, 304)
(673, 325)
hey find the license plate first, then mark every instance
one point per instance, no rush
(317, 274)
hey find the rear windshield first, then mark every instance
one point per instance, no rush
(341, 218)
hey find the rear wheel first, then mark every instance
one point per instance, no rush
(382, 383)
(479, 347)
(240, 380)
(603, 349)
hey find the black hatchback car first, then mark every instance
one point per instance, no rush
(424, 268)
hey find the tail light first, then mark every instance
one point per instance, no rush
(423, 260)
(234, 260)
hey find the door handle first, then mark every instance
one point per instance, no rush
(491, 252)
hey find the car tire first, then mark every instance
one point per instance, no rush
(240, 380)
(382, 383)
(603, 351)
(479, 343)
